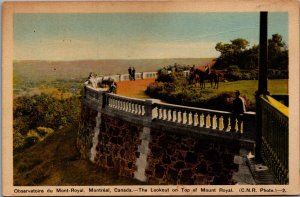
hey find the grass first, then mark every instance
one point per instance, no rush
(247, 88)
(56, 162)
(137, 88)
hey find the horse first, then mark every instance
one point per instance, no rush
(202, 76)
(214, 79)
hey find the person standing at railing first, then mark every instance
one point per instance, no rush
(238, 110)
(133, 73)
(113, 87)
(130, 73)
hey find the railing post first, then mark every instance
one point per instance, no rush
(104, 100)
(148, 110)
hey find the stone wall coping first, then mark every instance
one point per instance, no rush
(136, 100)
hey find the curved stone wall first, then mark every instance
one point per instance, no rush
(186, 159)
(160, 143)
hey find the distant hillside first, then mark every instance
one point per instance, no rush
(51, 70)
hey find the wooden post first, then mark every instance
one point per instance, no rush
(262, 79)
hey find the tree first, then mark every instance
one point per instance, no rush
(237, 52)
(277, 53)
(232, 53)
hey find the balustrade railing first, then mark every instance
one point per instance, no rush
(147, 75)
(202, 118)
(126, 104)
(197, 118)
(275, 138)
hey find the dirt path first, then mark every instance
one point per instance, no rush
(134, 89)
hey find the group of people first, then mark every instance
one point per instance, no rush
(131, 72)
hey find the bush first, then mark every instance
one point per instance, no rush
(233, 73)
(37, 116)
(166, 77)
(44, 131)
(30, 141)
(18, 140)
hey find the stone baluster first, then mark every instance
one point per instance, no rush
(201, 120)
(140, 110)
(163, 113)
(180, 117)
(183, 115)
(131, 107)
(188, 117)
(124, 105)
(204, 120)
(117, 103)
(158, 112)
(137, 108)
(214, 122)
(229, 126)
(224, 122)
(208, 122)
(128, 106)
(167, 114)
(110, 101)
(193, 118)
(171, 115)
(113, 102)
(174, 117)
(197, 122)
(121, 104)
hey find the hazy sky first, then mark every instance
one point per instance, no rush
(134, 36)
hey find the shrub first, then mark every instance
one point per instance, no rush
(30, 141)
(18, 140)
(44, 131)
(165, 77)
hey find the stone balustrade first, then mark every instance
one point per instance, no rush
(138, 75)
(126, 104)
(196, 118)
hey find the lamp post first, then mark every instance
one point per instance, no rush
(262, 79)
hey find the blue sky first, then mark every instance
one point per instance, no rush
(134, 35)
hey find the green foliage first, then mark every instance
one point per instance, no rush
(181, 93)
(19, 140)
(238, 53)
(44, 131)
(38, 116)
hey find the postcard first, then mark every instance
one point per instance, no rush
(118, 98)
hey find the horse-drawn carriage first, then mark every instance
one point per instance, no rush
(105, 82)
